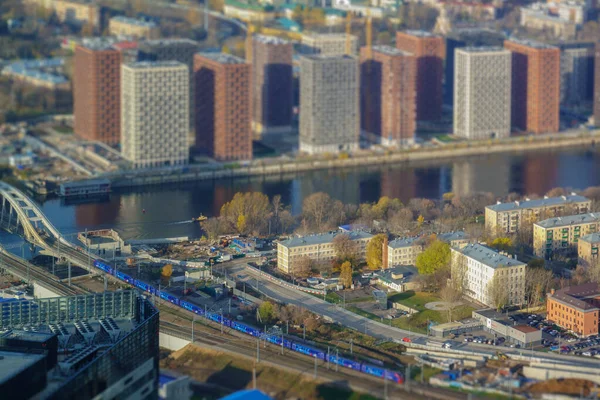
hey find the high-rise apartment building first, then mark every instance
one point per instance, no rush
(482, 92)
(576, 73)
(468, 37)
(97, 92)
(329, 44)
(181, 50)
(329, 104)
(387, 92)
(272, 85)
(429, 49)
(597, 85)
(154, 113)
(223, 110)
(535, 86)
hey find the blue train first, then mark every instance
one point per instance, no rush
(300, 348)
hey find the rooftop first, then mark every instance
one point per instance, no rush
(489, 257)
(325, 36)
(591, 238)
(99, 43)
(483, 49)
(545, 202)
(328, 57)
(28, 336)
(270, 39)
(525, 328)
(404, 242)
(420, 33)
(134, 21)
(12, 363)
(223, 58)
(169, 42)
(569, 220)
(399, 274)
(575, 45)
(323, 238)
(573, 295)
(451, 236)
(390, 51)
(532, 43)
(154, 64)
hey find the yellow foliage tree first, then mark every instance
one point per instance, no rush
(375, 251)
(346, 274)
(193, 16)
(167, 271)
(420, 220)
(241, 223)
(226, 50)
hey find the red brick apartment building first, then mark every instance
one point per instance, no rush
(575, 308)
(430, 50)
(535, 86)
(223, 109)
(97, 93)
(388, 89)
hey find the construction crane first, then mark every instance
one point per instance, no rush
(348, 33)
(249, 35)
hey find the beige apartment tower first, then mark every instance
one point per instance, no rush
(155, 113)
(328, 44)
(329, 104)
(482, 91)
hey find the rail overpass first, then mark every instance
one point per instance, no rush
(21, 215)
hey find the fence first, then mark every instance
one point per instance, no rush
(281, 282)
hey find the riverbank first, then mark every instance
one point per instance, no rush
(285, 167)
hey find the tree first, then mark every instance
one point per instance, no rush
(436, 257)
(346, 274)
(214, 227)
(451, 296)
(538, 282)
(302, 267)
(316, 208)
(420, 220)
(87, 29)
(247, 212)
(193, 16)
(401, 221)
(497, 292)
(345, 248)
(375, 251)
(502, 244)
(580, 276)
(593, 271)
(166, 272)
(266, 312)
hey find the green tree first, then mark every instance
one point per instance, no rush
(346, 274)
(375, 251)
(266, 312)
(502, 244)
(436, 257)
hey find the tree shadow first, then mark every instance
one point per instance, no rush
(338, 390)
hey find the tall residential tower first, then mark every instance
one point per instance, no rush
(154, 113)
(223, 110)
(535, 86)
(429, 49)
(482, 92)
(387, 91)
(272, 85)
(329, 103)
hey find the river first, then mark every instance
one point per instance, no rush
(166, 211)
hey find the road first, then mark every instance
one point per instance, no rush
(374, 328)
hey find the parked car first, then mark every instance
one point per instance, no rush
(406, 339)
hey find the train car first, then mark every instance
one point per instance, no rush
(347, 363)
(191, 307)
(274, 339)
(394, 376)
(169, 297)
(245, 329)
(145, 287)
(103, 266)
(287, 343)
(300, 348)
(372, 370)
(124, 277)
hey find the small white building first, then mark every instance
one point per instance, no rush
(479, 265)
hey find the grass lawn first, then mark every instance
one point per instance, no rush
(63, 129)
(428, 372)
(412, 299)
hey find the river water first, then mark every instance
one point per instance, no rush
(166, 211)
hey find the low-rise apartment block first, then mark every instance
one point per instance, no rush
(560, 235)
(575, 308)
(509, 217)
(587, 249)
(318, 248)
(404, 251)
(479, 265)
(138, 28)
(78, 12)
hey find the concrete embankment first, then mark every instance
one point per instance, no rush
(290, 168)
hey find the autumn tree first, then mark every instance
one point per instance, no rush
(375, 251)
(451, 296)
(321, 212)
(497, 291)
(435, 257)
(266, 312)
(302, 267)
(401, 221)
(345, 248)
(166, 272)
(247, 212)
(193, 16)
(214, 227)
(502, 244)
(346, 274)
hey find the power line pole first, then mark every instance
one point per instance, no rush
(327, 357)
(385, 385)
(257, 350)
(315, 357)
